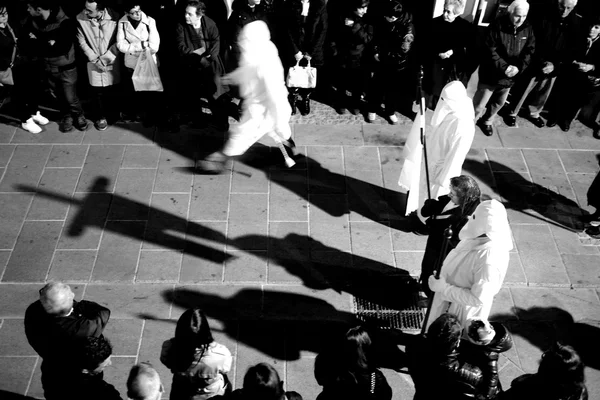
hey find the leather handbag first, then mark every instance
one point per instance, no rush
(302, 77)
(6, 76)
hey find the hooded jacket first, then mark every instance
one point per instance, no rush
(506, 45)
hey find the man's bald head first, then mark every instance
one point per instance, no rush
(565, 7)
(57, 298)
(144, 383)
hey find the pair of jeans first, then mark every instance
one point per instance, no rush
(63, 83)
(491, 96)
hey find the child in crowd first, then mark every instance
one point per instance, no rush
(262, 382)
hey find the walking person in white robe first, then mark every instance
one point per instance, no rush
(472, 273)
(266, 109)
(448, 142)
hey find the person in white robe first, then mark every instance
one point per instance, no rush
(266, 109)
(448, 142)
(472, 273)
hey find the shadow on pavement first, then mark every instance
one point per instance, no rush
(5, 395)
(522, 195)
(542, 326)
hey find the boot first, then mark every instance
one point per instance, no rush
(293, 99)
(305, 109)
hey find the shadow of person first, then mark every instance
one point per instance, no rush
(98, 206)
(543, 326)
(529, 198)
(276, 323)
(322, 267)
(6, 395)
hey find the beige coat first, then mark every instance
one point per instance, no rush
(129, 40)
(98, 39)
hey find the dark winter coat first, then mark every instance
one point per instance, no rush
(89, 387)
(241, 15)
(393, 42)
(364, 385)
(441, 376)
(504, 46)
(349, 43)
(304, 34)
(59, 28)
(555, 39)
(486, 358)
(532, 386)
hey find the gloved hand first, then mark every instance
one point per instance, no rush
(307, 56)
(437, 285)
(298, 56)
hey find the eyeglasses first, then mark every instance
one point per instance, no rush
(135, 12)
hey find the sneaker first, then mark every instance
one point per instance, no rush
(371, 116)
(81, 123)
(40, 119)
(66, 124)
(101, 124)
(31, 126)
(393, 119)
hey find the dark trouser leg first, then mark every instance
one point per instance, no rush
(293, 99)
(27, 91)
(305, 99)
(98, 102)
(67, 82)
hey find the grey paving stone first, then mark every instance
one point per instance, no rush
(592, 377)
(132, 195)
(407, 241)
(169, 206)
(332, 234)
(119, 251)
(579, 162)
(323, 135)
(248, 208)
(13, 341)
(385, 135)
(568, 242)
(141, 156)
(210, 198)
(31, 257)
(60, 182)
(325, 157)
(25, 168)
(6, 152)
(507, 160)
(85, 221)
(248, 179)
(4, 256)
(35, 386)
(15, 373)
(165, 233)
(49, 135)
(130, 301)
(288, 196)
(581, 138)
(204, 255)
(174, 174)
(372, 241)
(531, 339)
(120, 134)
(241, 236)
(102, 162)
(366, 197)
(116, 374)
(6, 133)
(328, 208)
(362, 158)
(409, 261)
(502, 308)
(155, 333)
(125, 336)
(299, 373)
(391, 161)
(515, 275)
(556, 304)
(508, 374)
(580, 184)
(72, 265)
(13, 208)
(159, 266)
(539, 255)
(67, 156)
(533, 138)
(543, 162)
(246, 266)
(582, 268)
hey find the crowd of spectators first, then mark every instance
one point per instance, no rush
(367, 52)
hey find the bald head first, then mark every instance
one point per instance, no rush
(57, 298)
(565, 7)
(144, 383)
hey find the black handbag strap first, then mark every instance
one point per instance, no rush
(14, 54)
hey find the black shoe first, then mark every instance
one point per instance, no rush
(101, 124)
(590, 217)
(305, 101)
(66, 124)
(81, 123)
(564, 126)
(551, 123)
(596, 133)
(593, 232)
(292, 98)
(486, 129)
(510, 120)
(538, 122)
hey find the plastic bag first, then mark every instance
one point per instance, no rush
(302, 77)
(145, 75)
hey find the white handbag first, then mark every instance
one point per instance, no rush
(301, 77)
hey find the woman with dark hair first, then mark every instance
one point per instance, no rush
(351, 37)
(198, 45)
(24, 85)
(199, 364)
(450, 210)
(352, 374)
(391, 83)
(262, 382)
(560, 377)
(302, 27)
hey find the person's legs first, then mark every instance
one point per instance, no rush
(68, 82)
(540, 95)
(495, 103)
(520, 95)
(481, 98)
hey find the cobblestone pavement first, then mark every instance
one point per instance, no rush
(274, 255)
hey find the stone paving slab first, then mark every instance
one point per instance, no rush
(274, 255)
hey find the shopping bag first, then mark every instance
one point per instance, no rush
(302, 77)
(145, 75)
(6, 77)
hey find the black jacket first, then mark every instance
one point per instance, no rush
(349, 44)
(504, 45)
(533, 386)
(241, 15)
(304, 34)
(486, 358)
(89, 387)
(393, 41)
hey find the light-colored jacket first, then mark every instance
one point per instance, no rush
(98, 39)
(129, 40)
